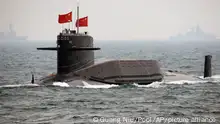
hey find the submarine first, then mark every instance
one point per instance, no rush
(76, 65)
(76, 61)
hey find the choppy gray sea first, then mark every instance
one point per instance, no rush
(177, 102)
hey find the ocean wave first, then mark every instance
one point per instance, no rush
(105, 86)
(19, 85)
(213, 79)
(61, 84)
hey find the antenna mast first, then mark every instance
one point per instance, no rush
(77, 16)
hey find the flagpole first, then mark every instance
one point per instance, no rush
(74, 26)
(73, 14)
(78, 16)
(72, 21)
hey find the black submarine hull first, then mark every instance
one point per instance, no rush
(75, 61)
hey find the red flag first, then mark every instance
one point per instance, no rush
(82, 22)
(65, 18)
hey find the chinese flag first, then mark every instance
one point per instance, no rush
(65, 18)
(82, 22)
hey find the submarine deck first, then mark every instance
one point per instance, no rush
(115, 72)
(123, 72)
(119, 72)
(168, 77)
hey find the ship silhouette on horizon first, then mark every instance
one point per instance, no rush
(11, 35)
(194, 34)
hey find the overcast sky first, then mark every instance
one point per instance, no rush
(112, 19)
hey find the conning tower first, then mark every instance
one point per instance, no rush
(74, 52)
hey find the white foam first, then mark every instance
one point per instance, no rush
(19, 85)
(214, 77)
(152, 85)
(178, 82)
(105, 86)
(61, 84)
(185, 82)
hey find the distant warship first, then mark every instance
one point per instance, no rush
(194, 34)
(75, 61)
(11, 35)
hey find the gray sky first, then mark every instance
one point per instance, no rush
(112, 19)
